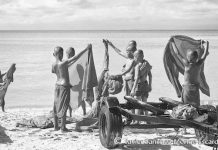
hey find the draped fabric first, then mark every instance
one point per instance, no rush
(7, 80)
(82, 75)
(173, 65)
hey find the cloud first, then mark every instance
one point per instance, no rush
(104, 14)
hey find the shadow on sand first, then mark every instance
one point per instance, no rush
(4, 138)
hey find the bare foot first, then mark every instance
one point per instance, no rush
(65, 130)
(56, 128)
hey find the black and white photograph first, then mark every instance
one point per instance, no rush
(108, 74)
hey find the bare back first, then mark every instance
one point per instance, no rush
(192, 73)
(60, 68)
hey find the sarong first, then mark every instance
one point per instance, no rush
(61, 100)
(191, 95)
(142, 89)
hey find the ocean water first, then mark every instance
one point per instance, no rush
(33, 84)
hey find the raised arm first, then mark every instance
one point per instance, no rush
(204, 56)
(77, 56)
(179, 55)
(117, 50)
(106, 56)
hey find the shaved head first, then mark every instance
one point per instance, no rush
(192, 56)
(138, 55)
(70, 52)
(58, 52)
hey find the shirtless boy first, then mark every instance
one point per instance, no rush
(141, 86)
(62, 89)
(128, 68)
(190, 92)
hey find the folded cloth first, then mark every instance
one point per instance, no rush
(184, 111)
(62, 99)
(115, 85)
(191, 95)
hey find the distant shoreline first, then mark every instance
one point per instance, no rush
(115, 31)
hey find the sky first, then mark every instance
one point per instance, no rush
(108, 14)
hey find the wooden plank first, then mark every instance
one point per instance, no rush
(150, 126)
(144, 105)
(210, 129)
(170, 101)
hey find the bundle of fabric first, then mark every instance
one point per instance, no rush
(45, 121)
(112, 85)
(184, 111)
(115, 85)
(173, 65)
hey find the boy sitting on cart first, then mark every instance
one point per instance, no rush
(141, 86)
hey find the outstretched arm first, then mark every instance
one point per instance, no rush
(4, 74)
(128, 69)
(117, 50)
(179, 55)
(77, 56)
(204, 56)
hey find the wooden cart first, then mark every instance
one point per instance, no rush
(111, 116)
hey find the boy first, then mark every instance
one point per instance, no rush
(141, 86)
(190, 92)
(128, 68)
(62, 89)
(70, 53)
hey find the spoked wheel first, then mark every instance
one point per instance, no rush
(110, 128)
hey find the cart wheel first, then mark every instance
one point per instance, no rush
(204, 138)
(110, 128)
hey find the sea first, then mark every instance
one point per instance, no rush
(32, 51)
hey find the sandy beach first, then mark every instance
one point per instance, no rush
(24, 138)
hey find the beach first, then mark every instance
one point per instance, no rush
(24, 138)
(32, 92)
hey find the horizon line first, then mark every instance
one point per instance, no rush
(111, 30)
